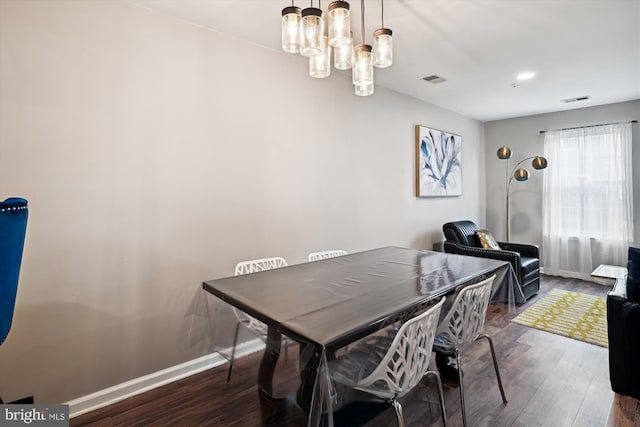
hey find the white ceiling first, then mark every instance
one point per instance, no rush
(575, 47)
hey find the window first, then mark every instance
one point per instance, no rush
(587, 198)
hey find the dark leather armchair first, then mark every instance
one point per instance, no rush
(525, 259)
(623, 322)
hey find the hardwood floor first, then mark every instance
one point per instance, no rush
(549, 380)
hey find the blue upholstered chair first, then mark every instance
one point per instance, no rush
(13, 226)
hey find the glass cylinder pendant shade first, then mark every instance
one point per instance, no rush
(320, 64)
(291, 29)
(311, 32)
(364, 89)
(363, 70)
(343, 56)
(382, 48)
(339, 23)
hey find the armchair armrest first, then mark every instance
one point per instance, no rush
(502, 255)
(619, 290)
(530, 251)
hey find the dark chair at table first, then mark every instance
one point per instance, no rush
(465, 238)
(13, 227)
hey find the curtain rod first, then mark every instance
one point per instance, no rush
(590, 126)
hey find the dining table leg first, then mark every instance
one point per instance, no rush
(309, 361)
(268, 363)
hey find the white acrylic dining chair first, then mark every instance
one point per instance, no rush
(462, 325)
(257, 327)
(316, 256)
(388, 366)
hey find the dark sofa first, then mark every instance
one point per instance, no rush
(623, 324)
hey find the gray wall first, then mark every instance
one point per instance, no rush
(156, 154)
(523, 136)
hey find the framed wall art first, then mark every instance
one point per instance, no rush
(438, 163)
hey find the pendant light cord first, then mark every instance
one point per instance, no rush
(382, 19)
(362, 20)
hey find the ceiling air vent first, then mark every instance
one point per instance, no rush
(434, 79)
(576, 99)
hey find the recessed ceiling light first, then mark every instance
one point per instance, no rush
(526, 75)
(576, 99)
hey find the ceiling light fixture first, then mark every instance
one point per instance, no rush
(343, 54)
(311, 31)
(339, 23)
(382, 45)
(291, 29)
(576, 99)
(303, 31)
(320, 64)
(363, 62)
(526, 75)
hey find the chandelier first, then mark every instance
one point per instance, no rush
(304, 32)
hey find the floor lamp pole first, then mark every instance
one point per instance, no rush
(507, 186)
(507, 226)
(504, 153)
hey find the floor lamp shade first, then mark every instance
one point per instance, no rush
(539, 163)
(521, 174)
(504, 153)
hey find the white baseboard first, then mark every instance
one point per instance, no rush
(122, 391)
(581, 276)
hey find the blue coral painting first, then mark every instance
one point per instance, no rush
(439, 163)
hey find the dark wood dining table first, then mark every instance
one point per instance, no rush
(328, 304)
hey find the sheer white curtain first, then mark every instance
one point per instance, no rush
(587, 199)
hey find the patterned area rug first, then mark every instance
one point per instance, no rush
(571, 314)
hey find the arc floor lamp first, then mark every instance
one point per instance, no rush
(517, 173)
